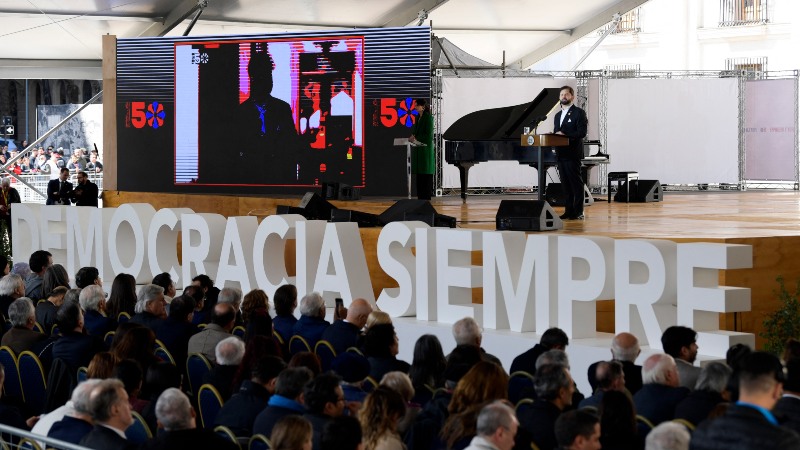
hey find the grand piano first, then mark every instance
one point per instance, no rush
(494, 135)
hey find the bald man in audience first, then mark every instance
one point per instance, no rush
(222, 322)
(610, 377)
(625, 349)
(343, 334)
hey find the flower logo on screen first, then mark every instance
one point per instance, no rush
(155, 114)
(406, 113)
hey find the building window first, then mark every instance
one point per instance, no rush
(622, 70)
(751, 67)
(629, 23)
(742, 12)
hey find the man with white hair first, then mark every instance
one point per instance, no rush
(21, 336)
(343, 334)
(93, 303)
(625, 349)
(661, 393)
(177, 417)
(111, 411)
(497, 425)
(11, 288)
(229, 354)
(233, 297)
(668, 436)
(711, 390)
(77, 422)
(467, 332)
(151, 307)
(46, 421)
(312, 323)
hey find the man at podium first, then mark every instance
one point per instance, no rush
(422, 160)
(571, 122)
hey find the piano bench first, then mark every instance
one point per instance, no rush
(619, 177)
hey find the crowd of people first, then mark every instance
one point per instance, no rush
(362, 396)
(50, 161)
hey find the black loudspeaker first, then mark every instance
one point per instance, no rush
(348, 215)
(641, 191)
(527, 215)
(398, 211)
(339, 191)
(316, 207)
(554, 194)
(286, 209)
(432, 219)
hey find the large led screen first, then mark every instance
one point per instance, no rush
(269, 113)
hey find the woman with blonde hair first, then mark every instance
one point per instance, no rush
(379, 414)
(377, 318)
(484, 383)
(291, 433)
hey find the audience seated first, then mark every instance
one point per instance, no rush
(354, 369)
(661, 393)
(554, 387)
(681, 343)
(401, 383)
(379, 415)
(80, 412)
(427, 368)
(710, 391)
(256, 348)
(10, 415)
(734, 358)
(101, 366)
(164, 280)
(749, 423)
(610, 377)
(93, 303)
(122, 298)
(552, 339)
(467, 332)
(255, 314)
(381, 346)
(625, 349)
(130, 373)
(787, 409)
(288, 399)
(343, 334)
(559, 357)
(73, 347)
(178, 419)
(205, 342)
(210, 292)
(578, 430)
(150, 307)
(137, 344)
(54, 276)
(292, 433)
(496, 427)
(87, 276)
(158, 378)
(21, 336)
(233, 297)
(324, 399)
(111, 413)
(618, 422)
(342, 433)
(668, 436)
(38, 262)
(239, 413)
(200, 316)
(46, 310)
(285, 300)
(11, 288)
(178, 328)
(228, 355)
(312, 321)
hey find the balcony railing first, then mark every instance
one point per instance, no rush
(629, 23)
(743, 12)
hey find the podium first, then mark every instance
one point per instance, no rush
(543, 140)
(399, 142)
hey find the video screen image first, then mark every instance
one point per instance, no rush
(270, 112)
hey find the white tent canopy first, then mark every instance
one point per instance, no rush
(62, 39)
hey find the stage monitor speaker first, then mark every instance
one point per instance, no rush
(641, 191)
(286, 209)
(398, 211)
(339, 191)
(432, 219)
(317, 208)
(527, 215)
(554, 194)
(348, 215)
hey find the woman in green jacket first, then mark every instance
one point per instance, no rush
(422, 159)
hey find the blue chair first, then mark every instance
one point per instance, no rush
(520, 385)
(238, 331)
(209, 401)
(12, 386)
(162, 353)
(326, 354)
(259, 442)
(298, 344)
(226, 433)
(369, 384)
(34, 383)
(82, 374)
(54, 331)
(138, 433)
(197, 366)
(109, 337)
(28, 444)
(123, 317)
(38, 327)
(278, 338)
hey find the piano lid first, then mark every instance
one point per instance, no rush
(502, 123)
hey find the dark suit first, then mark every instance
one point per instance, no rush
(97, 324)
(787, 411)
(58, 193)
(574, 127)
(740, 428)
(342, 335)
(310, 328)
(175, 335)
(697, 406)
(21, 339)
(76, 349)
(149, 320)
(537, 424)
(70, 429)
(318, 422)
(380, 366)
(221, 377)
(240, 412)
(85, 194)
(191, 439)
(657, 402)
(103, 438)
(526, 362)
(277, 408)
(283, 325)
